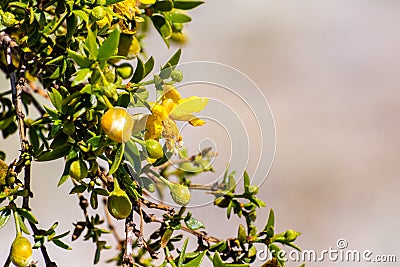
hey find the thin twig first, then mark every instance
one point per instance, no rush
(129, 230)
(140, 236)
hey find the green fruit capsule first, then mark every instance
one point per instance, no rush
(119, 204)
(180, 194)
(78, 170)
(154, 149)
(21, 252)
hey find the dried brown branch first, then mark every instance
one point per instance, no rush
(129, 230)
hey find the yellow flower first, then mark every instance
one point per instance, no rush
(161, 123)
(127, 10)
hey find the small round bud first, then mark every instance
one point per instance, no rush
(177, 75)
(157, 79)
(21, 252)
(117, 123)
(291, 235)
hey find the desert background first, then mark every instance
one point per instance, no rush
(330, 73)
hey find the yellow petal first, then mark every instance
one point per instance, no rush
(187, 106)
(170, 92)
(154, 128)
(147, 2)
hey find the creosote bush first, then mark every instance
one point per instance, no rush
(87, 57)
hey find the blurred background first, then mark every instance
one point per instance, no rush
(330, 72)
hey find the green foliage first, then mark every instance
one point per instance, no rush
(79, 55)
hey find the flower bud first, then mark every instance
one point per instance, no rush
(21, 252)
(291, 235)
(177, 75)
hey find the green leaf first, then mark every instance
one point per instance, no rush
(139, 71)
(166, 237)
(56, 99)
(94, 141)
(109, 46)
(217, 261)
(82, 14)
(91, 44)
(61, 244)
(28, 215)
(81, 76)
(65, 174)
(193, 224)
(60, 70)
(57, 153)
(232, 182)
(196, 261)
(183, 252)
(246, 180)
(94, 203)
(61, 235)
(271, 220)
(132, 156)
(177, 17)
(148, 66)
(78, 189)
(22, 224)
(186, 4)
(163, 27)
(173, 61)
(82, 61)
(4, 216)
(72, 24)
(117, 160)
(164, 5)
(101, 191)
(242, 236)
